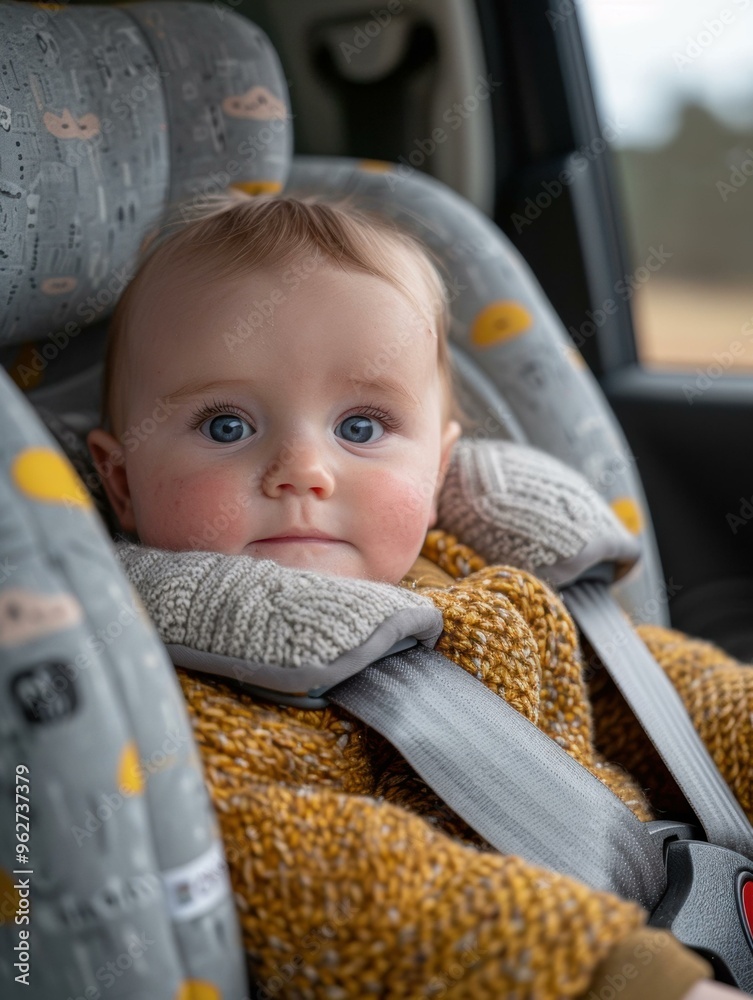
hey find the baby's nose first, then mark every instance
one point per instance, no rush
(300, 470)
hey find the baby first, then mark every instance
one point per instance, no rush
(297, 357)
(286, 367)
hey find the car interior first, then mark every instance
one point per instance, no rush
(377, 94)
(479, 126)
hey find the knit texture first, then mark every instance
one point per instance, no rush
(259, 611)
(352, 878)
(519, 506)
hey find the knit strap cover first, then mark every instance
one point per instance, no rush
(518, 506)
(287, 630)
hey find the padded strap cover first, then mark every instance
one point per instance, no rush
(287, 630)
(519, 506)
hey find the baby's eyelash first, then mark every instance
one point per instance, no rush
(388, 419)
(212, 409)
(217, 406)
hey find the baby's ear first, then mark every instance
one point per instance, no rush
(450, 435)
(107, 455)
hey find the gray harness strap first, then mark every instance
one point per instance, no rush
(661, 713)
(521, 791)
(509, 781)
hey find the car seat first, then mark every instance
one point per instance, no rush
(109, 114)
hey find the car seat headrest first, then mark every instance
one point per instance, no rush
(116, 115)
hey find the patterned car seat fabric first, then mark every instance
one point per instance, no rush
(108, 115)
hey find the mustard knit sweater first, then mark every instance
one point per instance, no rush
(354, 880)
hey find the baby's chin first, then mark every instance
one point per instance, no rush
(330, 557)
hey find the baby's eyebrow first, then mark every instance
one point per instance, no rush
(373, 383)
(382, 383)
(198, 386)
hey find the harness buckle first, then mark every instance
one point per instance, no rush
(708, 903)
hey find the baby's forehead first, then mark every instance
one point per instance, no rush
(168, 283)
(180, 305)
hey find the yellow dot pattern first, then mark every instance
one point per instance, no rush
(576, 358)
(8, 898)
(197, 989)
(375, 166)
(258, 187)
(500, 321)
(628, 511)
(130, 774)
(45, 475)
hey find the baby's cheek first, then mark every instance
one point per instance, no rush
(201, 511)
(400, 506)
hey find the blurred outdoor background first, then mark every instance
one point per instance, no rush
(677, 77)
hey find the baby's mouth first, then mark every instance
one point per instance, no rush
(292, 538)
(307, 535)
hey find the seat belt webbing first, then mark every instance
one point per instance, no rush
(509, 781)
(660, 711)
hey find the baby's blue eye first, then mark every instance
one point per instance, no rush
(359, 429)
(226, 428)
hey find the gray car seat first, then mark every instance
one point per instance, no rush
(107, 115)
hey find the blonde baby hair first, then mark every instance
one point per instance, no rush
(232, 235)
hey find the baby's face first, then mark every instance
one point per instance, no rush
(314, 439)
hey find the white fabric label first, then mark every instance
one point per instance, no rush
(195, 888)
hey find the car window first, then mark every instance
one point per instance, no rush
(677, 75)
